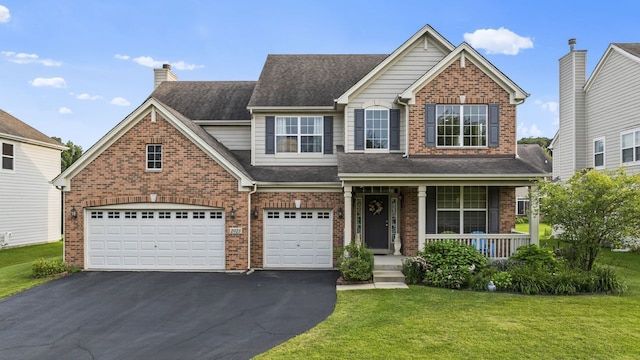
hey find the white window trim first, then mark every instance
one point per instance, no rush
(461, 135)
(526, 200)
(385, 150)
(604, 151)
(146, 158)
(461, 209)
(13, 170)
(298, 135)
(633, 135)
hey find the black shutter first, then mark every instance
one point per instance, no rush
(394, 129)
(431, 210)
(328, 135)
(494, 125)
(358, 141)
(494, 210)
(430, 124)
(270, 135)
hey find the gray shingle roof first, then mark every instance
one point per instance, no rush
(10, 125)
(309, 80)
(207, 100)
(288, 174)
(360, 163)
(632, 48)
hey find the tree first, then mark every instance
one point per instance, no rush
(544, 142)
(70, 155)
(593, 209)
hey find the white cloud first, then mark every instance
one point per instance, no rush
(551, 106)
(24, 58)
(121, 57)
(531, 131)
(501, 41)
(64, 110)
(4, 14)
(86, 96)
(56, 82)
(120, 101)
(179, 65)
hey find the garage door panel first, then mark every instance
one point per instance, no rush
(156, 240)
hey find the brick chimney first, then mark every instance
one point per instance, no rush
(164, 74)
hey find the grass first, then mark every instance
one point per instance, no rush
(15, 266)
(435, 323)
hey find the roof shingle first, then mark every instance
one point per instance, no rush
(10, 125)
(632, 48)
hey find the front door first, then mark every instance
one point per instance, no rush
(376, 222)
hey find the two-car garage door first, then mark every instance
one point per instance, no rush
(155, 239)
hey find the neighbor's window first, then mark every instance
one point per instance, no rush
(299, 134)
(523, 206)
(598, 152)
(461, 125)
(376, 128)
(461, 209)
(631, 146)
(7, 157)
(154, 157)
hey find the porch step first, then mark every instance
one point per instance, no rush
(387, 276)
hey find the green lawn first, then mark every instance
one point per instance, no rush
(15, 266)
(443, 324)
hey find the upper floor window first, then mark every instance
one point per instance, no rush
(7, 157)
(154, 157)
(631, 146)
(299, 134)
(376, 129)
(461, 125)
(598, 152)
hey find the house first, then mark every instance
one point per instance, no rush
(391, 150)
(30, 208)
(599, 127)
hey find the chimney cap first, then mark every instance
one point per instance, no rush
(572, 44)
(166, 66)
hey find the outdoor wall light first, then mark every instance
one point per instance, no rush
(255, 212)
(74, 213)
(232, 213)
(340, 213)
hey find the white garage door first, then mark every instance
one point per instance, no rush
(298, 239)
(171, 239)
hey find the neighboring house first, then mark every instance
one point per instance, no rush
(322, 150)
(522, 193)
(30, 209)
(599, 123)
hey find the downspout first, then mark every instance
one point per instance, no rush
(255, 188)
(63, 227)
(519, 102)
(406, 127)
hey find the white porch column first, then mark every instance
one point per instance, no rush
(347, 215)
(422, 216)
(534, 215)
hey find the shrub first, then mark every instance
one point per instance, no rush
(42, 268)
(413, 268)
(522, 220)
(534, 255)
(502, 281)
(530, 280)
(450, 263)
(506, 264)
(479, 280)
(606, 280)
(356, 263)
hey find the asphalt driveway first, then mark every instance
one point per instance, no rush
(154, 315)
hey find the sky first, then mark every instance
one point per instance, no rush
(74, 69)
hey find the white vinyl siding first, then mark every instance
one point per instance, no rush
(393, 80)
(234, 137)
(260, 158)
(610, 110)
(29, 205)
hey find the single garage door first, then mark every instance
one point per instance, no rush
(169, 239)
(298, 239)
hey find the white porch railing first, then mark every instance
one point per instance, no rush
(493, 246)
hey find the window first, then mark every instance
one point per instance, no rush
(299, 134)
(147, 215)
(113, 214)
(461, 209)
(470, 131)
(154, 157)
(598, 152)
(198, 214)
(7, 156)
(182, 215)
(376, 128)
(164, 215)
(522, 206)
(215, 215)
(631, 146)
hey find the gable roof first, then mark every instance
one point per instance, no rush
(629, 50)
(426, 30)
(466, 50)
(207, 100)
(12, 128)
(309, 80)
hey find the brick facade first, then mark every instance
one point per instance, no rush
(478, 88)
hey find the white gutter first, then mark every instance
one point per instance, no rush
(406, 127)
(255, 188)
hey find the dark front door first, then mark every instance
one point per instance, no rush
(376, 221)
